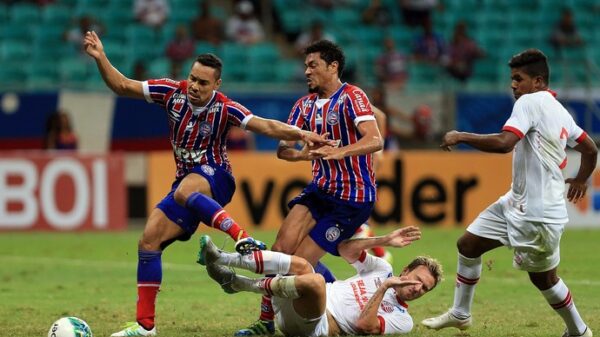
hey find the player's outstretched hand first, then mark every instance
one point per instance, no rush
(92, 44)
(404, 236)
(576, 191)
(311, 139)
(450, 139)
(327, 152)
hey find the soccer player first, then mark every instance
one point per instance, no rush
(200, 118)
(371, 302)
(342, 193)
(531, 217)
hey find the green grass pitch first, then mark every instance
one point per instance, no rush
(44, 276)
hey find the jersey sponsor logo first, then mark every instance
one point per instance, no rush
(387, 306)
(208, 170)
(189, 126)
(308, 104)
(358, 98)
(400, 308)
(188, 155)
(332, 234)
(226, 223)
(215, 108)
(333, 117)
(205, 129)
(179, 98)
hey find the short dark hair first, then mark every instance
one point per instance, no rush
(533, 63)
(212, 61)
(330, 52)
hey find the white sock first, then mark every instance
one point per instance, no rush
(260, 262)
(279, 286)
(467, 276)
(559, 298)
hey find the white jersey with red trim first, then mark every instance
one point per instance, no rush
(346, 299)
(351, 178)
(545, 128)
(198, 134)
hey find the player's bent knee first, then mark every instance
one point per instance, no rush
(311, 285)
(282, 248)
(180, 196)
(300, 266)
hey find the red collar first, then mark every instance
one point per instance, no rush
(401, 302)
(552, 92)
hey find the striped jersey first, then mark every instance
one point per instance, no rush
(198, 134)
(350, 178)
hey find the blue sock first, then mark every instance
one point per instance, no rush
(204, 206)
(149, 277)
(213, 215)
(149, 266)
(323, 270)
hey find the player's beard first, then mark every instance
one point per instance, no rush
(313, 90)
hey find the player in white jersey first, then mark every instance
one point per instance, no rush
(530, 218)
(371, 302)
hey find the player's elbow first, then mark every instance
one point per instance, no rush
(377, 143)
(368, 327)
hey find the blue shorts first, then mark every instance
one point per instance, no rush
(222, 186)
(337, 220)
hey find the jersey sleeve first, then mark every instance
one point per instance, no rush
(368, 263)
(358, 106)
(395, 322)
(159, 90)
(296, 117)
(238, 115)
(521, 119)
(576, 134)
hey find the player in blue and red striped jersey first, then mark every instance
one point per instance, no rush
(200, 118)
(342, 193)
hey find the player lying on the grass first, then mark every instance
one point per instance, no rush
(531, 216)
(371, 302)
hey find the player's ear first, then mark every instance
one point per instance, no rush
(334, 66)
(539, 83)
(218, 83)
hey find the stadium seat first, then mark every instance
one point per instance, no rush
(14, 50)
(56, 15)
(24, 13)
(15, 31)
(205, 47)
(262, 53)
(138, 35)
(73, 70)
(159, 68)
(41, 74)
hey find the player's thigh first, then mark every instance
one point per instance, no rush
(294, 229)
(192, 183)
(310, 250)
(488, 231)
(536, 245)
(158, 229)
(313, 298)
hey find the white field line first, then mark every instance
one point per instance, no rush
(194, 267)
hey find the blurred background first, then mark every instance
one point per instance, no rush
(74, 156)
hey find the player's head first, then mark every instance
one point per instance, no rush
(324, 63)
(529, 72)
(427, 271)
(204, 77)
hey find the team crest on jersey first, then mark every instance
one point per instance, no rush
(332, 234)
(204, 129)
(209, 171)
(333, 117)
(387, 306)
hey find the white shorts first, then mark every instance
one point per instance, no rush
(536, 244)
(292, 324)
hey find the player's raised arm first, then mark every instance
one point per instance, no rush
(116, 81)
(351, 249)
